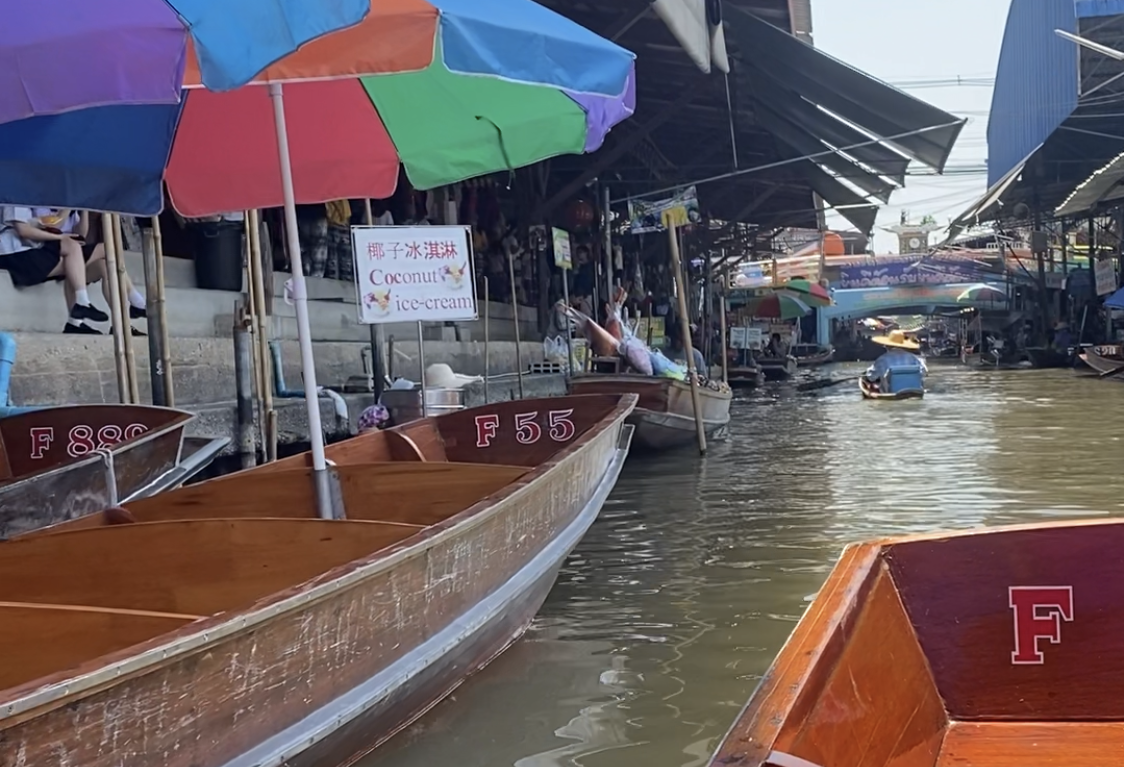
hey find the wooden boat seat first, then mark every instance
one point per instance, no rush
(1033, 744)
(419, 494)
(190, 567)
(41, 639)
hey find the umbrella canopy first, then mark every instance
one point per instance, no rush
(981, 291)
(78, 53)
(811, 293)
(218, 151)
(1116, 300)
(777, 306)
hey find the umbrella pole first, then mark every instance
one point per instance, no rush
(110, 245)
(257, 273)
(325, 506)
(722, 329)
(515, 313)
(685, 328)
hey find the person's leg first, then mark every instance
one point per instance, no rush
(71, 268)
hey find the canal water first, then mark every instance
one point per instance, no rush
(669, 611)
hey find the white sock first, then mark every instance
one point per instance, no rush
(136, 300)
(81, 297)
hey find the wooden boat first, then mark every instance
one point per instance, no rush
(1048, 357)
(225, 624)
(989, 648)
(665, 414)
(812, 355)
(909, 385)
(777, 368)
(745, 376)
(1103, 359)
(59, 463)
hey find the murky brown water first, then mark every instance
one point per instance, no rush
(685, 589)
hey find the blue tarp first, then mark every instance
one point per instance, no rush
(1088, 9)
(1116, 300)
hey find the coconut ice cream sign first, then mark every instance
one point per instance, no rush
(413, 273)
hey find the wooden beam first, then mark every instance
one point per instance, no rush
(607, 157)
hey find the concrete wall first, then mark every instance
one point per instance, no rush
(194, 313)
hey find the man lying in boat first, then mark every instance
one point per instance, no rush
(901, 353)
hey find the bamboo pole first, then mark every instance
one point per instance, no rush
(249, 324)
(378, 343)
(110, 244)
(157, 370)
(126, 324)
(257, 273)
(518, 339)
(487, 356)
(722, 330)
(685, 329)
(158, 307)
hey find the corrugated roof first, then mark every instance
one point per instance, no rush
(1036, 82)
(1093, 190)
(1087, 9)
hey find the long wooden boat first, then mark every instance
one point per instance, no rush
(665, 414)
(869, 392)
(1103, 359)
(812, 355)
(60, 463)
(1047, 357)
(777, 368)
(224, 624)
(989, 648)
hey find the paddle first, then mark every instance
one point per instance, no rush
(824, 383)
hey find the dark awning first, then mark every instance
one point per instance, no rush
(916, 128)
(1101, 187)
(851, 137)
(982, 209)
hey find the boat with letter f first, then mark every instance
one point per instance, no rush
(227, 623)
(992, 648)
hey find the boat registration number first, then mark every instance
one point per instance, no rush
(528, 430)
(1038, 615)
(82, 439)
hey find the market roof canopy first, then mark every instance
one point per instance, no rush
(1102, 186)
(818, 105)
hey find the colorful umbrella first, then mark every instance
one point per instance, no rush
(981, 291)
(72, 54)
(515, 40)
(811, 293)
(777, 306)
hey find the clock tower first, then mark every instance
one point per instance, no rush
(913, 239)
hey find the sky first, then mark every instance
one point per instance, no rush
(917, 45)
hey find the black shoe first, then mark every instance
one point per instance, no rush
(81, 327)
(91, 313)
(137, 314)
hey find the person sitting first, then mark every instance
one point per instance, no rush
(34, 251)
(78, 224)
(776, 347)
(900, 354)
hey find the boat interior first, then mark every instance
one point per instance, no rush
(992, 649)
(41, 440)
(108, 581)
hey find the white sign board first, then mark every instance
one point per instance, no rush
(1105, 275)
(413, 273)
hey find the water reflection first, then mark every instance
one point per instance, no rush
(664, 618)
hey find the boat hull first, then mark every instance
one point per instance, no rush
(49, 484)
(814, 360)
(665, 415)
(1101, 363)
(324, 672)
(778, 370)
(745, 377)
(869, 393)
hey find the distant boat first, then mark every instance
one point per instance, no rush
(225, 623)
(777, 368)
(59, 463)
(1103, 359)
(981, 630)
(897, 383)
(812, 355)
(665, 415)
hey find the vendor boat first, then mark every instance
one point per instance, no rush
(59, 463)
(812, 355)
(1047, 357)
(665, 414)
(989, 648)
(777, 368)
(905, 383)
(745, 376)
(226, 624)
